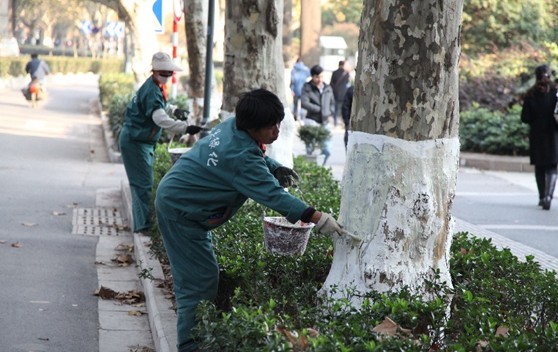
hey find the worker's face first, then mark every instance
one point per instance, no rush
(266, 135)
(163, 76)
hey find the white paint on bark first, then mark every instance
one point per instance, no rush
(282, 149)
(397, 195)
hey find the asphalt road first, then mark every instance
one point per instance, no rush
(53, 160)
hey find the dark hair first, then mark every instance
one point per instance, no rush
(258, 109)
(34, 55)
(541, 72)
(316, 70)
(341, 63)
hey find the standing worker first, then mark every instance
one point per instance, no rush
(538, 111)
(208, 185)
(147, 115)
(299, 76)
(340, 81)
(317, 98)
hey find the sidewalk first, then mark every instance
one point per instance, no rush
(162, 320)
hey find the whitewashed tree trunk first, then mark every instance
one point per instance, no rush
(254, 59)
(402, 161)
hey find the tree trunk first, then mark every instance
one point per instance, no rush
(138, 15)
(287, 32)
(253, 59)
(196, 39)
(402, 160)
(310, 28)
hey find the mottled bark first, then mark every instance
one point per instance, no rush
(402, 160)
(287, 32)
(407, 69)
(253, 59)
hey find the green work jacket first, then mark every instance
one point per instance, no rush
(139, 113)
(210, 182)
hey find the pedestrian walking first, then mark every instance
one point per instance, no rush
(317, 98)
(340, 82)
(208, 185)
(299, 76)
(147, 115)
(538, 111)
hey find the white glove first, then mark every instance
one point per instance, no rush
(328, 225)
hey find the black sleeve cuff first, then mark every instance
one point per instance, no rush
(307, 214)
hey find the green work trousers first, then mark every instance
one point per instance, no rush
(138, 161)
(194, 270)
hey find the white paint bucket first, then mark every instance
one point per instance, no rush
(283, 238)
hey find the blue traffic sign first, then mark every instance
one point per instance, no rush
(158, 12)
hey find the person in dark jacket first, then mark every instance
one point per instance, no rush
(209, 184)
(346, 112)
(538, 112)
(340, 81)
(37, 68)
(317, 98)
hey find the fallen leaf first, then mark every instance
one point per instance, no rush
(387, 327)
(17, 245)
(43, 339)
(463, 251)
(136, 313)
(123, 259)
(56, 213)
(502, 331)
(481, 345)
(2, 241)
(73, 205)
(28, 224)
(125, 247)
(105, 293)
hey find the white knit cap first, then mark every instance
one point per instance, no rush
(163, 62)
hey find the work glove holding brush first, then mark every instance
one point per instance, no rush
(328, 225)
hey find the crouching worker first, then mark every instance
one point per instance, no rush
(208, 185)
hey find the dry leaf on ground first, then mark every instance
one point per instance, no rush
(136, 313)
(58, 213)
(129, 247)
(17, 245)
(28, 224)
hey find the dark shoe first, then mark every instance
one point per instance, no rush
(546, 202)
(540, 202)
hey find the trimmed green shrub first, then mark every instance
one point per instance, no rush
(15, 66)
(113, 84)
(494, 132)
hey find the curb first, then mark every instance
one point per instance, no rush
(495, 162)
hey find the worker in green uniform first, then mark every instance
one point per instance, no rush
(208, 185)
(146, 115)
